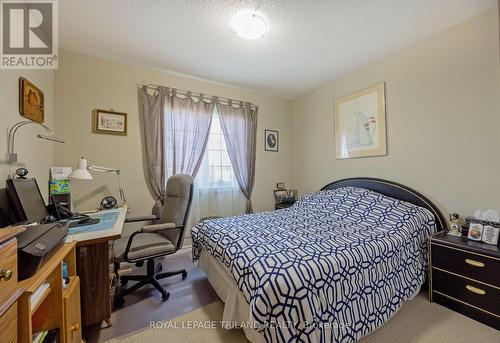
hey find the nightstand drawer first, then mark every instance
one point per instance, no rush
(473, 293)
(474, 266)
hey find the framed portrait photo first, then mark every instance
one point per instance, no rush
(109, 122)
(475, 231)
(271, 140)
(360, 129)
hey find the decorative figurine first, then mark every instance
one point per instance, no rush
(455, 229)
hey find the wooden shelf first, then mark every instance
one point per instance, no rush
(51, 310)
(41, 300)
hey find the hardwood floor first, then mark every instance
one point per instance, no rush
(145, 305)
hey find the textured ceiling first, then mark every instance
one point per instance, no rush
(308, 43)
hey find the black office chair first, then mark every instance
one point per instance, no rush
(161, 238)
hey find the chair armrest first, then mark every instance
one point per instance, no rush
(158, 227)
(141, 218)
(145, 230)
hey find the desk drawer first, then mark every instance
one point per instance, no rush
(478, 267)
(8, 325)
(8, 262)
(473, 293)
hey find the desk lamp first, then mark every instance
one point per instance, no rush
(82, 173)
(11, 154)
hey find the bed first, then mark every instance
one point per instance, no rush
(331, 268)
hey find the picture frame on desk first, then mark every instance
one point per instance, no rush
(490, 234)
(490, 230)
(475, 231)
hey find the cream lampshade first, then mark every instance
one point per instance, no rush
(81, 172)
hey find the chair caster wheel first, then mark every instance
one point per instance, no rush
(123, 282)
(119, 301)
(184, 275)
(165, 296)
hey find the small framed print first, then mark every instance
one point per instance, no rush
(109, 122)
(475, 231)
(280, 185)
(271, 140)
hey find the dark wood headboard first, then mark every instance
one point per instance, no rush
(393, 190)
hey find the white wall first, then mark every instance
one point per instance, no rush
(84, 83)
(34, 154)
(443, 120)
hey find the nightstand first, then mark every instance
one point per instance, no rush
(279, 206)
(464, 276)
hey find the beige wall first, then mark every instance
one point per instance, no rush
(443, 123)
(85, 83)
(34, 154)
(443, 120)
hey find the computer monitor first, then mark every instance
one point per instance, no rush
(26, 200)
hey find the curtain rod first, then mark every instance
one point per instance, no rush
(153, 86)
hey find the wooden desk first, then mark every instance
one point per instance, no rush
(94, 261)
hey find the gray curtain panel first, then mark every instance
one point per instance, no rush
(188, 124)
(154, 110)
(239, 126)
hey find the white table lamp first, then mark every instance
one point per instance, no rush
(81, 172)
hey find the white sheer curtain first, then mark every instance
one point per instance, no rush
(239, 125)
(187, 126)
(216, 191)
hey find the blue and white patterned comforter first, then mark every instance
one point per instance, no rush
(331, 268)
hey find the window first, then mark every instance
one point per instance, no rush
(216, 170)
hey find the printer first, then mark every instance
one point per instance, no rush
(35, 246)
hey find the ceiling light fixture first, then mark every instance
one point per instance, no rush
(248, 25)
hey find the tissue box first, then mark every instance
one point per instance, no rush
(59, 186)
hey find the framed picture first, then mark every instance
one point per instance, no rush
(280, 185)
(109, 122)
(279, 195)
(271, 142)
(475, 231)
(360, 123)
(490, 234)
(31, 101)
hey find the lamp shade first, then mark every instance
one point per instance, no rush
(81, 173)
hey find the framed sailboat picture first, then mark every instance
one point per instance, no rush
(360, 129)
